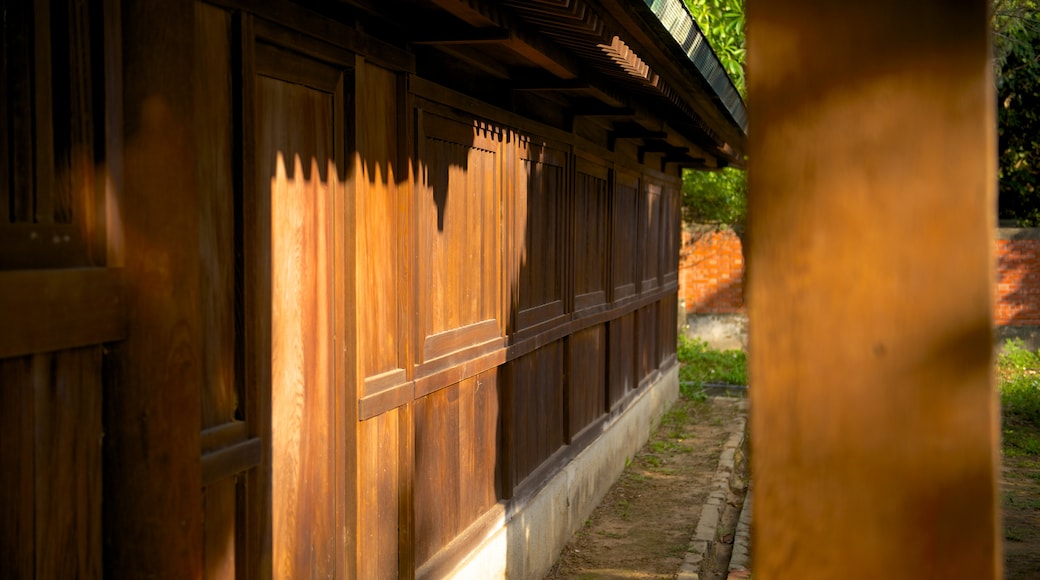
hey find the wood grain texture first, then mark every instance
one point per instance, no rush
(460, 228)
(67, 417)
(48, 310)
(379, 220)
(535, 402)
(437, 471)
(646, 341)
(378, 516)
(17, 467)
(295, 145)
(874, 423)
(152, 496)
(668, 329)
(18, 27)
(624, 231)
(586, 378)
(539, 213)
(649, 235)
(479, 436)
(220, 512)
(213, 134)
(591, 242)
(621, 363)
(670, 233)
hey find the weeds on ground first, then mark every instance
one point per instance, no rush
(1019, 372)
(701, 365)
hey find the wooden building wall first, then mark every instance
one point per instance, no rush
(330, 315)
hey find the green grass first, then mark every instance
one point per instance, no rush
(1019, 373)
(701, 365)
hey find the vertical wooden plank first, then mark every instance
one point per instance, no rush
(152, 471)
(223, 501)
(68, 463)
(17, 483)
(874, 423)
(377, 510)
(295, 143)
(5, 125)
(436, 471)
(110, 245)
(43, 115)
(348, 373)
(378, 230)
(217, 217)
(586, 378)
(219, 513)
(406, 492)
(478, 434)
(18, 39)
(649, 236)
(625, 243)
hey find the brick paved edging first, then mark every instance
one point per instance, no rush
(721, 483)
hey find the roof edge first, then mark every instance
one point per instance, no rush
(677, 21)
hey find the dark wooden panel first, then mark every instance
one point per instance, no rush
(153, 497)
(219, 510)
(621, 367)
(646, 341)
(67, 415)
(625, 210)
(540, 214)
(17, 41)
(671, 234)
(437, 471)
(378, 480)
(76, 190)
(649, 235)
(213, 134)
(536, 410)
(591, 244)
(459, 224)
(17, 485)
(668, 327)
(479, 480)
(295, 150)
(586, 378)
(49, 310)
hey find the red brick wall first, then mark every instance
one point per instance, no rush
(711, 271)
(711, 274)
(1018, 282)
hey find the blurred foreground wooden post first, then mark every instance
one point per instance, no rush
(872, 174)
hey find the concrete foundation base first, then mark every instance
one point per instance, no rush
(527, 539)
(720, 331)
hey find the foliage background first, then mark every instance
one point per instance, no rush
(719, 197)
(1016, 48)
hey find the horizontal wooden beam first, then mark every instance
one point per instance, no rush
(48, 310)
(468, 37)
(599, 110)
(231, 460)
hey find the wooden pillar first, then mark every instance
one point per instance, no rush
(152, 474)
(872, 176)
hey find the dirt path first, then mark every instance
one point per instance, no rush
(1020, 488)
(644, 524)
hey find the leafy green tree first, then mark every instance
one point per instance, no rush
(722, 22)
(719, 197)
(1016, 49)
